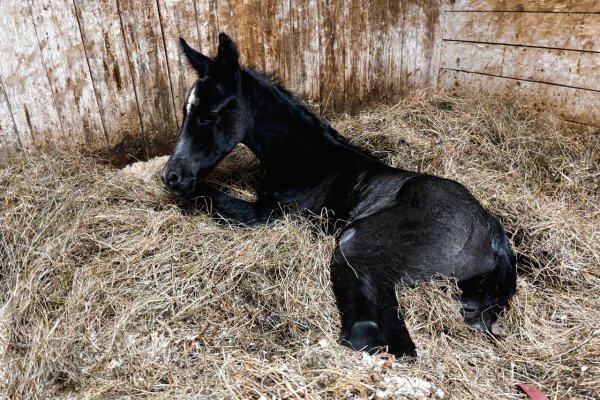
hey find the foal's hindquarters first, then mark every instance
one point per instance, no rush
(433, 226)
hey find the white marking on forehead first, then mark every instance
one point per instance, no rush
(192, 99)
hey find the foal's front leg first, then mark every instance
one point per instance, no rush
(237, 210)
(367, 302)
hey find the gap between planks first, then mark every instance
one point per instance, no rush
(520, 45)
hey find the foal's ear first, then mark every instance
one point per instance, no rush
(228, 52)
(199, 61)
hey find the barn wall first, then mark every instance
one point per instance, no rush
(542, 52)
(108, 75)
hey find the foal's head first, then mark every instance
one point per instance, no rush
(215, 118)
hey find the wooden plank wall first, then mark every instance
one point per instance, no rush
(542, 52)
(107, 75)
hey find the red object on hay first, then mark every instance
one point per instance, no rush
(531, 392)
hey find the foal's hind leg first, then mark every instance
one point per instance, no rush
(369, 308)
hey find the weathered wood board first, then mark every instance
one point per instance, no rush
(148, 63)
(566, 6)
(572, 104)
(543, 52)
(553, 30)
(178, 19)
(331, 57)
(9, 137)
(559, 67)
(66, 65)
(25, 79)
(109, 74)
(107, 59)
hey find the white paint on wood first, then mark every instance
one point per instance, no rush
(561, 67)
(572, 104)
(107, 60)
(567, 6)
(554, 30)
(25, 80)
(68, 72)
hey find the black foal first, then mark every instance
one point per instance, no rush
(402, 227)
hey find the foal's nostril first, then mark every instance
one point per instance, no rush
(173, 179)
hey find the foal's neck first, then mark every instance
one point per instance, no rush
(286, 132)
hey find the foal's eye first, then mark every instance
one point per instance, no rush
(207, 119)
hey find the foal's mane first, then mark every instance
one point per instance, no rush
(328, 132)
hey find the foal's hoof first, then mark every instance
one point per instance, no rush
(476, 318)
(363, 336)
(367, 336)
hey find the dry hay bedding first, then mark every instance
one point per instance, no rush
(112, 289)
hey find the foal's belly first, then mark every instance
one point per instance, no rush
(434, 226)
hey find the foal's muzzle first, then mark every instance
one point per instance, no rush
(178, 180)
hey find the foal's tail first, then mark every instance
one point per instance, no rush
(502, 282)
(485, 296)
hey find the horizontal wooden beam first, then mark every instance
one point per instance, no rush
(560, 67)
(568, 103)
(551, 30)
(565, 6)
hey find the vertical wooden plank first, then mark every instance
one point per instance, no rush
(178, 19)
(9, 137)
(385, 40)
(409, 49)
(206, 14)
(271, 29)
(25, 80)
(68, 72)
(147, 56)
(332, 67)
(421, 31)
(283, 31)
(438, 9)
(107, 59)
(393, 48)
(285, 36)
(299, 48)
(377, 36)
(275, 26)
(225, 18)
(248, 19)
(357, 54)
(310, 56)
(412, 48)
